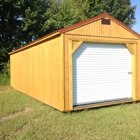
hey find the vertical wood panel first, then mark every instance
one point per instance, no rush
(134, 71)
(137, 97)
(70, 76)
(62, 71)
(97, 29)
(66, 73)
(37, 72)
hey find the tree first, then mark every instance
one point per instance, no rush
(20, 23)
(10, 26)
(73, 11)
(23, 21)
(34, 19)
(70, 12)
(122, 10)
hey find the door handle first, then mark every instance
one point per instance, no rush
(129, 72)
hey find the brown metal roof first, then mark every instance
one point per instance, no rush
(66, 29)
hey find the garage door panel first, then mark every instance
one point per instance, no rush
(100, 73)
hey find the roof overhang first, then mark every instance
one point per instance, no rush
(44, 38)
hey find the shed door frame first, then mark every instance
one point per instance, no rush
(131, 46)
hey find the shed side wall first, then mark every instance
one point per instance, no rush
(36, 72)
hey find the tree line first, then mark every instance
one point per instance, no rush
(23, 21)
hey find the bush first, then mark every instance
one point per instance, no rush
(5, 74)
(6, 68)
(4, 79)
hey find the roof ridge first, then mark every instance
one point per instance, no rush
(87, 21)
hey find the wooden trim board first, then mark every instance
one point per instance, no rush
(70, 76)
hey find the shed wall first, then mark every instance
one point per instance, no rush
(37, 72)
(97, 29)
(96, 32)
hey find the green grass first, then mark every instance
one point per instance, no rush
(4, 79)
(29, 119)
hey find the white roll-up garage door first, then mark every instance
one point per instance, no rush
(101, 73)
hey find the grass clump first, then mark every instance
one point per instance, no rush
(4, 79)
(5, 74)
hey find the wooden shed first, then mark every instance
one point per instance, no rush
(89, 64)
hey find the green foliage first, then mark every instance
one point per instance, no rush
(4, 79)
(69, 13)
(122, 10)
(33, 20)
(48, 18)
(5, 74)
(10, 27)
(4, 57)
(6, 68)
(23, 21)
(97, 7)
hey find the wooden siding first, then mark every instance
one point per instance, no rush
(137, 96)
(97, 29)
(75, 40)
(38, 72)
(96, 32)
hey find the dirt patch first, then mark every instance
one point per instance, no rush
(17, 113)
(4, 137)
(2, 88)
(36, 119)
(5, 89)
